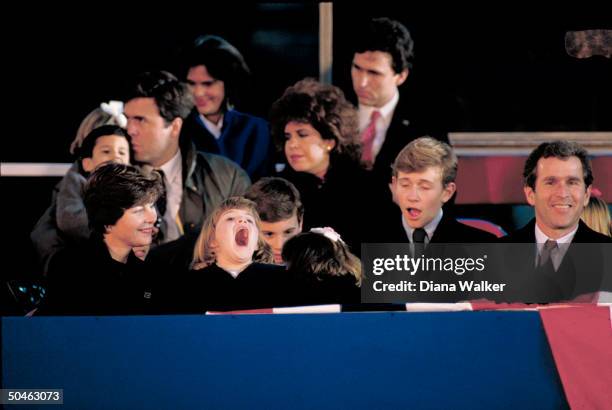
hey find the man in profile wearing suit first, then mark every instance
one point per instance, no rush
(382, 60)
(557, 182)
(156, 104)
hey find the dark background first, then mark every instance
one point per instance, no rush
(505, 72)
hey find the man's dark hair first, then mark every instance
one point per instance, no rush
(276, 199)
(222, 60)
(172, 97)
(112, 189)
(89, 142)
(389, 36)
(556, 149)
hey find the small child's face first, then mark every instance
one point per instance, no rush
(108, 148)
(236, 236)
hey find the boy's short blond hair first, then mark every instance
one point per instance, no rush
(427, 152)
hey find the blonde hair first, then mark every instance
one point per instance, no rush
(96, 118)
(427, 152)
(597, 216)
(204, 254)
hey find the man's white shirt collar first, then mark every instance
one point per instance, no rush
(382, 124)
(386, 112)
(430, 228)
(541, 237)
(562, 245)
(173, 168)
(173, 182)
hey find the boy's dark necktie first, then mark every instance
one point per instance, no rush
(418, 237)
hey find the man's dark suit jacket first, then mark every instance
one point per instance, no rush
(583, 270)
(584, 234)
(448, 231)
(404, 128)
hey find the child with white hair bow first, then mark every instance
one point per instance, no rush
(325, 268)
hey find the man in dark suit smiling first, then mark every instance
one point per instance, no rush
(557, 183)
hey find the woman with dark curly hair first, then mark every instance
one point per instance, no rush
(316, 127)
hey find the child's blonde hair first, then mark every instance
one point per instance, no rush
(597, 216)
(106, 114)
(204, 254)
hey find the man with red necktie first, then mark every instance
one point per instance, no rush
(382, 60)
